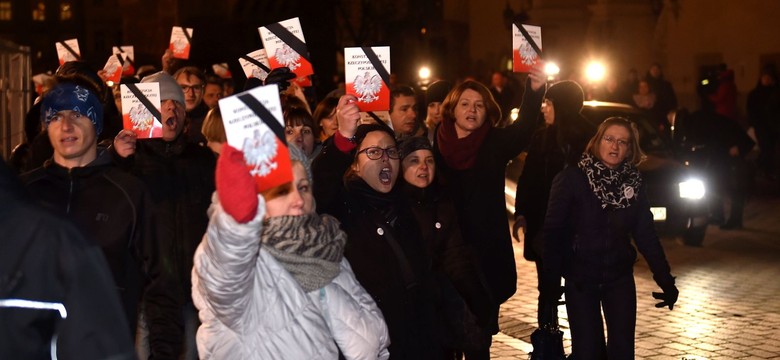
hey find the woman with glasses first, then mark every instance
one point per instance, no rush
(595, 209)
(355, 180)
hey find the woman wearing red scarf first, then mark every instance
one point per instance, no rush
(473, 154)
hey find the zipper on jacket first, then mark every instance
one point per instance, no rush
(70, 190)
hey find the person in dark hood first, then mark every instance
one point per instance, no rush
(557, 144)
(763, 110)
(57, 296)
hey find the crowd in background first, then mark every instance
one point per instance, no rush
(391, 241)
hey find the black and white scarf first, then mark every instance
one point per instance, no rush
(616, 188)
(310, 247)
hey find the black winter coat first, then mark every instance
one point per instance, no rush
(479, 197)
(545, 159)
(372, 221)
(180, 179)
(46, 260)
(454, 264)
(587, 244)
(113, 210)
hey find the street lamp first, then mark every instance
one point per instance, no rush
(425, 77)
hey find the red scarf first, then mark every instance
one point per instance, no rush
(460, 154)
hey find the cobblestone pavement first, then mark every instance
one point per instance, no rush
(729, 306)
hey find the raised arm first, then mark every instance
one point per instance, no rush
(225, 260)
(515, 138)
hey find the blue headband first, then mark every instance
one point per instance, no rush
(68, 96)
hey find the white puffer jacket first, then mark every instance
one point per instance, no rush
(250, 307)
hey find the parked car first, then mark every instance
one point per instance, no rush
(675, 185)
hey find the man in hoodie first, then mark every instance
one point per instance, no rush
(111, 208)
(180, 178)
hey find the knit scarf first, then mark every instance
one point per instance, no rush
(385, 204)
(616, 188)
(460, 154)
(310, 247)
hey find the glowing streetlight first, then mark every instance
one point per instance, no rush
(595, 71)
(552, 70)
(424, 73)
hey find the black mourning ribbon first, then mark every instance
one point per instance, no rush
(256, 63)
(147, 104)
(70, 50)
(128, 58)
(291, 40)
(264, 115)
(119, 57)
(380, 69)
(530, 40)
(186, 34)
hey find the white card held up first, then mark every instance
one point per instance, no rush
(113, 68)
(136, 112)
(255, 64)
(181, 42)
(128, 54)
(524, 57)
(254, 124)
(365, 70)
(286, 47)
(222, 70)
(68, 50)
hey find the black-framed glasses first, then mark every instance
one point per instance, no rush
(195, 88)
(376, 153)
(609, 140)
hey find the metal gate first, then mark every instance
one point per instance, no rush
(15, 94)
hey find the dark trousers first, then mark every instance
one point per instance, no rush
(546, 307)
(584, 303)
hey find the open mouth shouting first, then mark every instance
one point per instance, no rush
(386, 176)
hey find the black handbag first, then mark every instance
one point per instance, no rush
(548, 340)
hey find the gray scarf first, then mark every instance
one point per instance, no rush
(310, 247)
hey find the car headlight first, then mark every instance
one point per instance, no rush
(692, 189)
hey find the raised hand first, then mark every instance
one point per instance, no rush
(348, 115)
(538, 77)
(235, 186)
(124, 143)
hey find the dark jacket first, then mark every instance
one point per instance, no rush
(397, 278)
(462, 299)
(478, 194)
(547, 156)
(180, 179)
(195, 119)
(46, 260)
(112, 209)
(587, 244)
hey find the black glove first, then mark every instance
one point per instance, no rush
(668, 297)
(280, 76)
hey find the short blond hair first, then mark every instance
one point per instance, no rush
(213, 129)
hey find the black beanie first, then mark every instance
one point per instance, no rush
(567, 96)
(364, 129)
(414, 143)
(437, 91)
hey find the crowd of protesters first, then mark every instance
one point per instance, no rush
(391, 241)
